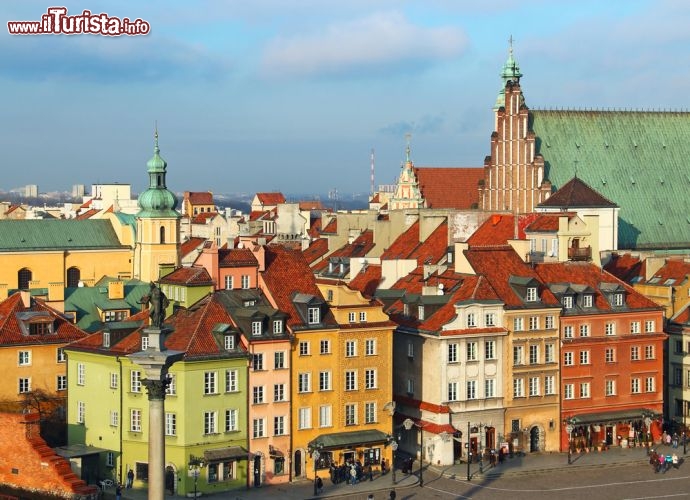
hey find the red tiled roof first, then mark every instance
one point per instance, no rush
(331, 227)
(314, 227)
(270, 198)
(498, 265)
(360, 247)
(188, 276)
(236, 257)
(317, 249)
(259, 214)
(546, 222)
(375, 198)
(404, 245)
(87, 215)
(200, 197)
(311, 205)
(586, 273)
(499, 228)
(11, 331)
(408, 246)
(87, 204)
(12, 208)
(367, 280)
(190, 245)
(683, 317)
(203, 217)
(450, 187)
(674, 269)
(626, 267)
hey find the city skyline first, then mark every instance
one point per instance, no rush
(294, 95)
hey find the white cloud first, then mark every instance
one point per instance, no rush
(381, 39)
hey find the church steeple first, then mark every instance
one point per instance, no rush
(510, 73)
(157, 201)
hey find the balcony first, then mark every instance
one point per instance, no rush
(583, 253)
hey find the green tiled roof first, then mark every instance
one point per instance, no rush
(640, 160)
(50, 234)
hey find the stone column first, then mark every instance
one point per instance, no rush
(156, 390)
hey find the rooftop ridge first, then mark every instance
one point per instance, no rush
(612, 110)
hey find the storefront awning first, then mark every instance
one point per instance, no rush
(77, 450)
(348, 439)
(275, 452)
(229, 453)
(611, 416)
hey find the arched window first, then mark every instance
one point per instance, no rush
(162, 234)
(73, 277)
(23, 278)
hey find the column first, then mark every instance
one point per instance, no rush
(156, 392)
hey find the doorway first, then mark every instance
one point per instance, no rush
(257, 471)
(534, 439)
(490, 438)
(170, 479)
(298, 463)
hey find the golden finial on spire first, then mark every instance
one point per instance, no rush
(408, 136)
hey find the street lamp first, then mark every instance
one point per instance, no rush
(569, 430)
(315, 455)
(469, 452)
(195, 465)
(394, 447)
(408, 424)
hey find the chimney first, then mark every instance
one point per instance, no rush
(26, 298)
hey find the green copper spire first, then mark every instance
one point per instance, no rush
(510, 72)
(157, 201)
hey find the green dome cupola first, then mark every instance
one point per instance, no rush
(157, 200)
(510, 73)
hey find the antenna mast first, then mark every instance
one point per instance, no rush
(372, 171)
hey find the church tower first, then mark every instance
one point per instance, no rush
(407, 193)
(513, 174)
(157, 222)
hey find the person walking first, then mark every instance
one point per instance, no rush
(391, 495)
(130, 479)
(118, 491)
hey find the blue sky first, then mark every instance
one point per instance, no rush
(292, 95)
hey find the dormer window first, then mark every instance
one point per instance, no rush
(532, 294)
(256, 327)
(40, 328)
(618, 299)
(277, 326)
(587, 301)
(420, 312)
(471, 320)
(313, 315)
(406, 309)
(106, 339)
(144, 342)
(567, 302)
(229, 341)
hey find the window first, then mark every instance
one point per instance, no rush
(584, 330)
(568, 358)
(567, 302)
(634, 327)
(23, 279)
(549, 353)
(678, 349)
(452, 353)
(258, 394)
(228, 282)
(471, 320)
(518, 388)
(144, 342)
(279, 360)
(610, 329)
(81, 412)
(24, 385)
(610, 355)
(370, 379)
(471, 389)
(61, 383)
(489, 388)
(350, 380)
(231, 378)
(61, 356)
(313, 316)
(325, 347)
(229, 342)
(634, 353)
(362, 317)
(471, 351)
(370, 347)
(258, 362)
(549, 385)
(452, 391)
(610, 387)
(110, 459)
(568, 332)
(135, 420)
(231, 420)
(490, 319)
(171, 387)
(245, 281)
(490, 349)
(351, 317)
(278, 326)
(279, 425)
(258, 428)
(351, 414)
(531, 294)
(534, 322)
(649, 352)
(635, 385)
(210, 383)
(584, 357)
(410, 386)
(534, 386)
(170, 424)
(549, 323)
(533, 354)
(304, 348)
(568, 391)
(304, 418)
(618, 299)
(210, 422)
(304, 382)
(369, 413)
(351, 348)
(649, 326)
(410, 350)
(587, 301)
(325, 416)
(278, 392)
(256, 327)
(24, 358)
(81, 374)
(325, 381)
(649, 385)
(135, 381)
(420, 312)
(142, 471)
(518, 353)
(584, 390)
(518, 324)
(677, 376)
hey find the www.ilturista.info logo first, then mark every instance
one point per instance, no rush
(56, 22)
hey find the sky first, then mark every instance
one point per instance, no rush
(293, 95)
